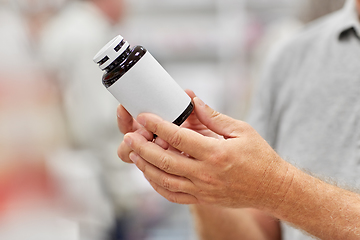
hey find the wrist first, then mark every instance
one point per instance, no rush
(275, 185)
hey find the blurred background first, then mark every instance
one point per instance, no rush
(60, 177)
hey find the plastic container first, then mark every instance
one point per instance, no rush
(140, 83)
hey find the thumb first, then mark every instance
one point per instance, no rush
(217, 122)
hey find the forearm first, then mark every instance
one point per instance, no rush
(214, 223)
(321, 209)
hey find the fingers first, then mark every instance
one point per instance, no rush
(174, 188)
(168, 181)
(217, 122)
(126, 124)
(190, 93)
(161, 143)
(192, 120)
(123, 152)
(180, 198)
(125, 121)
(185, 140)
(166, 160)
(124, 149)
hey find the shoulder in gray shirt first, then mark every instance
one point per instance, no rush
(307, 106)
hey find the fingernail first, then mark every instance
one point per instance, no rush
(118, 112)
(200, 102)
(127, 139)
(133, 157)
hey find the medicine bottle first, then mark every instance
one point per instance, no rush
(140, 83)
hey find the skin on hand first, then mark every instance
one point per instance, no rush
(222, 222)
(238, 170)
(127, 124)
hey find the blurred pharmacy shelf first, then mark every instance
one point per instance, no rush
(204, 43)
(198, 42)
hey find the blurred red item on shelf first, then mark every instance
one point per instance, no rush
(23, 184)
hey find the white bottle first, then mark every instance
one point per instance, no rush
(140, 83)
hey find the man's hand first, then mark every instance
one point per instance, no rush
(127, 124)
(237, 170)
(240, 170)
(217, 223)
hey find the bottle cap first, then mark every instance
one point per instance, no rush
(110, 52)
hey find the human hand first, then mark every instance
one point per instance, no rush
(238, 170)
(127, 124)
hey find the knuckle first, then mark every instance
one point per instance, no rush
(172, 197)
(165, 163)
(175, 139)
(206, 179)
(155, 127)
(170, 184)
(165, 182)
(215, 114)
(246, 126)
